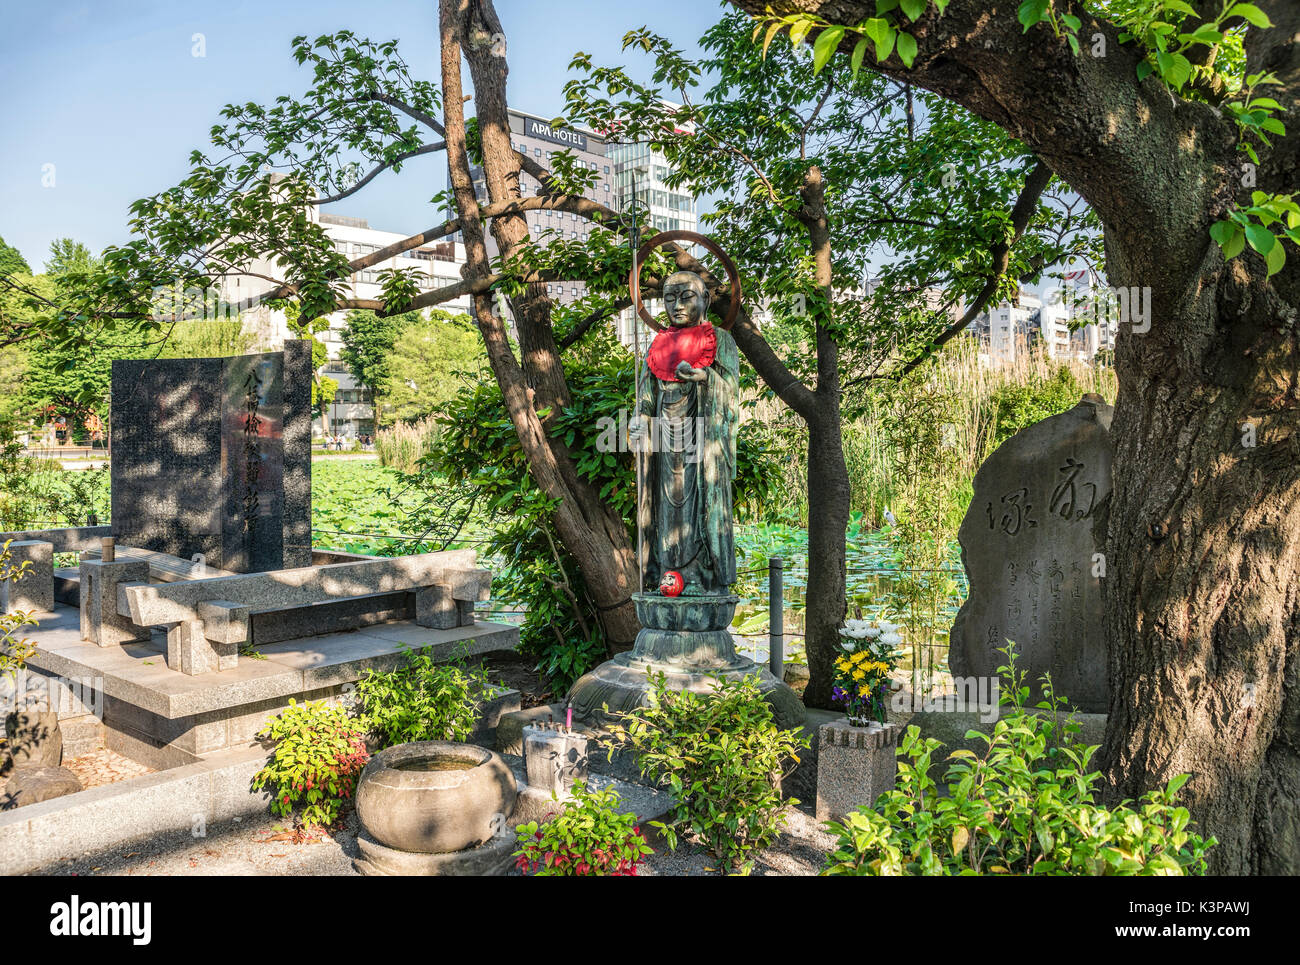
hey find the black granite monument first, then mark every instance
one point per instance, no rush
(213, 457)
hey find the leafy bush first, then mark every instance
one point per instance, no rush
(421, 700)
(1019, 405)
(1026, 806)
(37, 493)
(588, 837)
(722, 757)
(14, 650)
(319, 753)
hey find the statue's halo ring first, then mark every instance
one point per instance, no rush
(663, 238)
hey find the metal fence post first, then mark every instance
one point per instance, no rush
(776, 617)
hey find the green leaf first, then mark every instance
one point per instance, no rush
(1251, 14)
(913, 8)
(906, 48)
(1222, 232)
(825, 45)
(1275, 259)
(859, 51)
(1032, 12)
(882, 32)
(1260, 238)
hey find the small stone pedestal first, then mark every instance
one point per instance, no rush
(492, 858)
(554, 758)
(854, 766)
(34, 590)
(686, 639)
(101, 624)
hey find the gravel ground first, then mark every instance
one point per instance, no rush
(800, 850)
(261, 846)
(104, 767)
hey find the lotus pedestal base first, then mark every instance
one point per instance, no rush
(686, 639)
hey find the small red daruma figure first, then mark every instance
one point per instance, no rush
(672, 583)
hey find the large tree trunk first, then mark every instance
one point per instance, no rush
(828, 477)
(596, 537)
(1202, 547)
(828, 521)
(1202, 532)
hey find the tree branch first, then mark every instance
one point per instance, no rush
(425, 149)
(1021, 212)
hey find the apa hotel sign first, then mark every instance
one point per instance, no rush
(556, 135)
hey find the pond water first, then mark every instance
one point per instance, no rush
(353, 510)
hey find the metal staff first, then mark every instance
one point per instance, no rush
(636, 399)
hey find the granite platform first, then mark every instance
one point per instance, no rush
(202, 714)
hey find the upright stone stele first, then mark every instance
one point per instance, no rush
(685, 436)
(1032, 560)
(212, 458)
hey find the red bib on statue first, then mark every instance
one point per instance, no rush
(695, 344)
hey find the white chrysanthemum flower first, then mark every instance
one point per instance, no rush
(873, 632)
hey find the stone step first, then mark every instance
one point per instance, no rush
(81, 735)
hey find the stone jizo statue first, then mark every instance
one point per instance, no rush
(685, 433)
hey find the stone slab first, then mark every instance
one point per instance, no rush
(105, 818)
(81, 735)
(211, 457)
(171, 603)
(334, 616)
(138, 674)
(341, 657)
(1030, 554)
(494, 858)
(72, 539)
(163, 567)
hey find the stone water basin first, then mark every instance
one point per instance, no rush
(435, 797)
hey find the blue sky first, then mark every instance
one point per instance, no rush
(109, 93)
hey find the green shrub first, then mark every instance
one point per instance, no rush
(319, 753)
(39, 493)
(1024, 807)
(1018, 405)
(14, 650)
(588, 837)
(421, 700)
(722, 757)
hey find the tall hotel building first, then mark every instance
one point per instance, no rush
(619, 167)
(534, 136)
